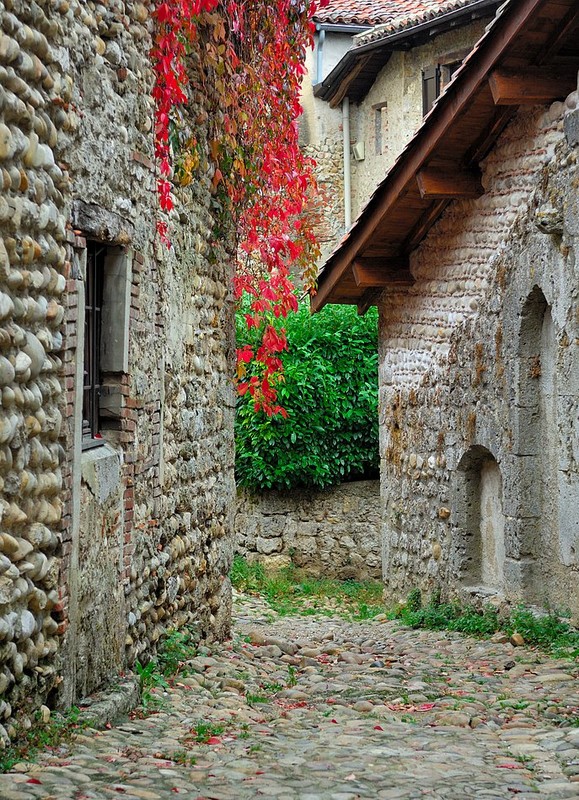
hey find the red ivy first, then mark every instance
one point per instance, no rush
(253, 55)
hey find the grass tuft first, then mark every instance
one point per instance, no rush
(290, 592)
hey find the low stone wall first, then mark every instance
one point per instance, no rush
(330, 533)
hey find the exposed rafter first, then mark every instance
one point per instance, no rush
(440, 163)
(448, 184)
(531, 85)
(374, 273)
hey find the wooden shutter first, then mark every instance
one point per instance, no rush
(430, 87)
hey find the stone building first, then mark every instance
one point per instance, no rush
(116, 426)
(375, 69)
(469, 248)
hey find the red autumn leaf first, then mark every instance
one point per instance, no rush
(34, 780)
(214, 740)
(378, 728)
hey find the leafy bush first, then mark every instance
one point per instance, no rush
(331, 396)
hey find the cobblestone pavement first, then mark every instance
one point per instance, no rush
(322, 709)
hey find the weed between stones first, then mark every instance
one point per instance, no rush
(42, 736)
(288, 592)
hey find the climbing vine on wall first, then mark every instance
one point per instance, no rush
(252, 55)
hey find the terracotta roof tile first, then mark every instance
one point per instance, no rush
(396, 14)
(409, 13)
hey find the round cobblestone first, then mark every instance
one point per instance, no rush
(320, 708)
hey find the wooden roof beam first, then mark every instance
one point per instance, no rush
(570, 22)
(376, 273)
(450, 184)
(531, 86)
(368, 299)
(342, 90)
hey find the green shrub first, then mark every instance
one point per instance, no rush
(331, 395)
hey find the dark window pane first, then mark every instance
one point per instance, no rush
(92, 336)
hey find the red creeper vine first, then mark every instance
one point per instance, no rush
(253, 54)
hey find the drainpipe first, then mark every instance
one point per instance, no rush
(320, 53)
(346, 146)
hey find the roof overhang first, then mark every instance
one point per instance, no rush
(357, 70)
(528, 56)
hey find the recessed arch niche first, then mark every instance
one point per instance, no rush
(480, 519)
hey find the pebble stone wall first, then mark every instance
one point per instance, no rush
(327, 210)
(457, 369)
(332, 533)
(102, 551)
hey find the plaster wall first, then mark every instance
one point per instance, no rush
(398, 89)
(479, 367)
(321, 136)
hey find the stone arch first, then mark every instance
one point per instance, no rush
(480, 519)
(536, 425)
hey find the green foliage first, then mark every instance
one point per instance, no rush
(177, 648)
(448, 616)
(202, 731)
(246, 576)
(550, 632)
(150, 679)
(330, 392)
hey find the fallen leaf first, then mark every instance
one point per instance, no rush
(509, 766)
(378, 728)
(34, 780)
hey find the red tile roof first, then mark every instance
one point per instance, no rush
(397, 14)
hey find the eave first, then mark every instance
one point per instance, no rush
(531, 38)
(357, 70)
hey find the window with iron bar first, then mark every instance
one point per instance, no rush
(94, 283)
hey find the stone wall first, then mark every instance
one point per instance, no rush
(330, 533)
(321, 137)
(103, 549)
(479, 389)
(327, 209)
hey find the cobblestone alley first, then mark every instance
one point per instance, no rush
(322, 709)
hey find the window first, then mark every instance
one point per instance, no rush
(92, 339)
(447, 72)
(106, 333)
(380, 127)
(430, 87)
(437, 78)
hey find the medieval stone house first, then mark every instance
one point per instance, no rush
(375, 70)
(116, 447)
(469, 246)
